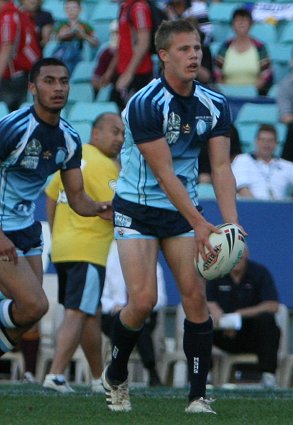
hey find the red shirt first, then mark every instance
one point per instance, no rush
(25, 46)
(140, 18)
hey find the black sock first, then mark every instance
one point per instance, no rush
(197, 345)
(123, 342)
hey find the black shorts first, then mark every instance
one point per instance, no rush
(27, 241)
(80, 285)
(132, 220)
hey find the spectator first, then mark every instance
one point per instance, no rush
(285, 105)
(132, 62)
(72, 33)
(261, 175)
(115, 298)
(19, 49)
(249, 290)
(80, 248)
(43, 19)
(105, 57)
(35, 143)
(243, 60)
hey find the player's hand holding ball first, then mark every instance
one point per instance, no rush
(229, 247)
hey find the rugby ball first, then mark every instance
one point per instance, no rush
(229, 246)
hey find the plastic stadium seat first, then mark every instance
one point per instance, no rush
(83, 72)
(286, 35)
(105, 11)
(3, 109)
(88, 111)
(49, 48)
(80, 92)
(258, 113)
(264, 32)
(238, 91)
(84, 130)
(222, 12)
(104, 93)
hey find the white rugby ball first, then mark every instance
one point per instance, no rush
(229, 246)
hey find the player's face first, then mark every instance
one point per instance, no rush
(110, 136)
(183, 58)
(51, 88)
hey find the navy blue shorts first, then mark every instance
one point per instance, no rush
(80, 285)
(133, 220)
(27, 241)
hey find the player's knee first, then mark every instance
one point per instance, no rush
(145, 303)
(36, 310)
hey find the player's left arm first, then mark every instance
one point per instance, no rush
(222, 177)
(79, 201)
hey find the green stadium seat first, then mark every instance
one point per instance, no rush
(88, 111)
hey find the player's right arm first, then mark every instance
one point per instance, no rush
(158, 156)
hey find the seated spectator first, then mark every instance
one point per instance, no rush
(72, 33)
(43, 19)
(243, 60)
(115, 297)
(261, 175)
(250, 291)
(105, 57)
(285, 105)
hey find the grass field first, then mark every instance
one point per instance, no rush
(24, 404)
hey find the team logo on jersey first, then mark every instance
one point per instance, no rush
(186, 129)
(203, 125)
(33, 148)
(47, 155)
(30, 162)
(173, 128)
(60, 156)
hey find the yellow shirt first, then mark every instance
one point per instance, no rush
(77, 238)
(241, 68)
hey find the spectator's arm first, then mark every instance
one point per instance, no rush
(5, 54)
(263, 307)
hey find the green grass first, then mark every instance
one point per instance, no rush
(32, 405)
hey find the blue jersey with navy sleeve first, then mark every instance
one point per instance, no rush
(30, 151)
(156, 111)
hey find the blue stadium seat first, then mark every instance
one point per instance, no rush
(83, 72)
(286, 35)
(88, 111)
(3, 109)
(238, 91)
(80, 92)
(222, 12)
(84, 130)
(264, 32)
(104, 93)
(258, 113)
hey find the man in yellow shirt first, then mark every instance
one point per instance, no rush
(79, 251)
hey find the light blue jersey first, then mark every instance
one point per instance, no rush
(30, 151)
(186, 122)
